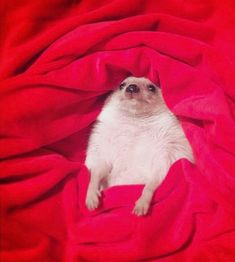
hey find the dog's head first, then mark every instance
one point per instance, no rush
(138, 95)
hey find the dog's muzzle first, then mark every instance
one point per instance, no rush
(132, 89)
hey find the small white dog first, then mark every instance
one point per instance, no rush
(135, 141)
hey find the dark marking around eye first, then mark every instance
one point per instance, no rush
(122, 85)
(152, 88)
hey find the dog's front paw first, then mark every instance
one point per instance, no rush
(141, 207)
(92, 200)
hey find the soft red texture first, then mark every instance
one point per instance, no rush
(59, 60)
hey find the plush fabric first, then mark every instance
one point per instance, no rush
(59, 60)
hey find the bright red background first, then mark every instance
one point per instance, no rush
(58, 61)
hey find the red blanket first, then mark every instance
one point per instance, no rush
(59, 60)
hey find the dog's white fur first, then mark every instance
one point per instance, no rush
(135, 141)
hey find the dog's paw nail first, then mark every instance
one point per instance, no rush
(92, 202)
(141, 208)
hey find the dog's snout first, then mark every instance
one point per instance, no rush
(132, 89)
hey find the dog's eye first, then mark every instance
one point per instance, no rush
(121, 86)
(151, 88)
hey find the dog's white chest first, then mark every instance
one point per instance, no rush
(136, 150)
(129, 154)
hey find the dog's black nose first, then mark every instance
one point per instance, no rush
(132, 89)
